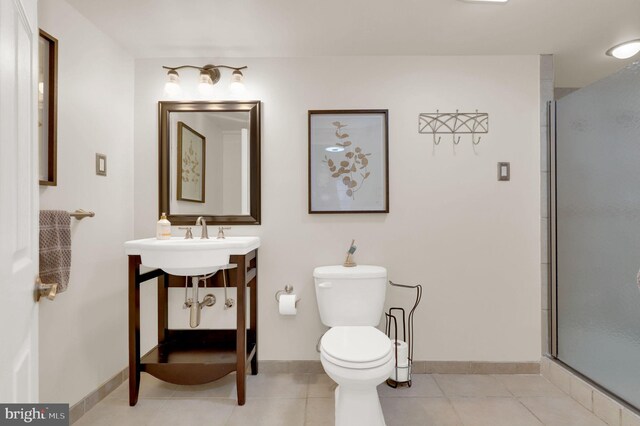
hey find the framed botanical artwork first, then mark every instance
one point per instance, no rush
(47, 108)
(191, 164)
(348, 161)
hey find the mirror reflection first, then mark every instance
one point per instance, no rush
(209, 163)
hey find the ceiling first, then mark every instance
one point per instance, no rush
(577, 32)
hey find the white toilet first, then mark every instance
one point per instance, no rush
(354, 353)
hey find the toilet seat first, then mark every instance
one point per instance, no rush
(356, 347)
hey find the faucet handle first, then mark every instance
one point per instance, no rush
(188, 235)
(221, 230)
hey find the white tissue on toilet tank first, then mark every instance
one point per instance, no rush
(212, 318)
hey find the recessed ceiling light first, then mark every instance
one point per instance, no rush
(625, 50)
(485, 1)
(334, 149)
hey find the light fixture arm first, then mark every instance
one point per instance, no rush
(206, 67)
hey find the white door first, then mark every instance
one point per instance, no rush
(18, 201)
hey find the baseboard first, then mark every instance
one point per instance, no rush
(79, 409)
(599, 401)
(419, 367)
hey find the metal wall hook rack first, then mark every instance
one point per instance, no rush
(454, 123)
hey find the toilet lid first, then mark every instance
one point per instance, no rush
(356, 344)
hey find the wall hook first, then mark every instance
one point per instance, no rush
(473, 139)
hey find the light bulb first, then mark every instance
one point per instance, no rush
(237, 81)
(172, 86)
(205, 87)
(625, 50)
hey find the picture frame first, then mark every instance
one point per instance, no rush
(47, 108)
(348, 161)
(191, 168)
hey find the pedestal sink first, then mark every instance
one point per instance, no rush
(190, 257)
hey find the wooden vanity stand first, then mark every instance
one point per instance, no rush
(193, 357)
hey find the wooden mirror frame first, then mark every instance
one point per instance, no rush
(52, 113)
(167, 107)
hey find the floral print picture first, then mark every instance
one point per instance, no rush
(191, 164)
(348, 165)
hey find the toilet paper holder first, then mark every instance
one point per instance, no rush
(288, 289)
(391, 323)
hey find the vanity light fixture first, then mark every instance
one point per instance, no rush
(625, 50)
(209, 75)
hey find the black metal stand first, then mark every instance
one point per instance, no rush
(389, 318)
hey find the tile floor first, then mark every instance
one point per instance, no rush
(307, 400)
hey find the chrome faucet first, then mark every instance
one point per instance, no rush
(200, 221)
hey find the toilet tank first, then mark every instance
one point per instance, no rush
(350, 296)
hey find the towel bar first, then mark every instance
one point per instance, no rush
(81, 214)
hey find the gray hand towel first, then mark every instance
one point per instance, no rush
(55, 248)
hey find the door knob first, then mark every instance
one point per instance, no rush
(45, 290)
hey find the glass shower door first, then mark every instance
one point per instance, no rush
(597, 211)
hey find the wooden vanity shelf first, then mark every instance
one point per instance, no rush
(193, 357)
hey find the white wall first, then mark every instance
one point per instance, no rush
(83, 333)
(471, 241)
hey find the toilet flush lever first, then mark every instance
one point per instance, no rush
(325, 284)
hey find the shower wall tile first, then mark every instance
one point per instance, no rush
(544, 149)
(630, 419)
(606, 408)
(544, 286)
(582, 392)
(544, 239)
(546, 95)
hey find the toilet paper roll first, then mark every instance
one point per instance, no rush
(401, 374)
(403, 351)
(287, 304)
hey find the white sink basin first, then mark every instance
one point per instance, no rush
(179, 256)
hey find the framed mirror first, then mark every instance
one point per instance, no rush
(47, 108)
(210, 162)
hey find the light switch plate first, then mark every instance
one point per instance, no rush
(504, 171)
(101, 164)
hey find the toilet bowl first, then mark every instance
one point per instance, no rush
(355, 354)
(358, 359)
